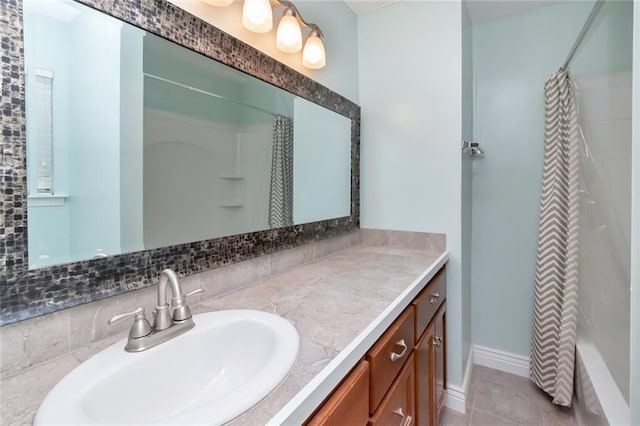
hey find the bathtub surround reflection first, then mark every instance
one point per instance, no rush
(155, 145)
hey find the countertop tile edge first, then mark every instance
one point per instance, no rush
(305, 402)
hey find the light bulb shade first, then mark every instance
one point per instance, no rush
(218, 3)
(289, 35)
(257, 16)
(313, 56)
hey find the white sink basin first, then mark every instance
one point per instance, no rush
(222, 367)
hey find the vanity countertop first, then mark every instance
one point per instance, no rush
(340, 304)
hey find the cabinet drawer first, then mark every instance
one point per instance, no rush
(429, 300)
(349, 404)
(398, 407)
(388, 355)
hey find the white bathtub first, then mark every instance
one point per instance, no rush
(598, 399)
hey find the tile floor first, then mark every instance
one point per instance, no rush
(497, 398)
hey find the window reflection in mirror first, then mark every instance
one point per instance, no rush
(151, 144)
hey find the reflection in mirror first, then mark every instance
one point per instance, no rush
(134, 142)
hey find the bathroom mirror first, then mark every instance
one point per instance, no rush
(29, 289)
(134, 143)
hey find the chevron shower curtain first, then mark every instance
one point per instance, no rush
(556, 281)
(281, 186)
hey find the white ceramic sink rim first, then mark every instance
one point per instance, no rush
(271, 343)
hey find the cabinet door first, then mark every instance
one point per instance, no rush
(440, 356)
(349, 404)
(425, 376)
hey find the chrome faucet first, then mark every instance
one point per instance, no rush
(168, 321)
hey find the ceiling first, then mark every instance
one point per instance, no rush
(479, 10)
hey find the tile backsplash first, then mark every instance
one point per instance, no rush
(403, 239)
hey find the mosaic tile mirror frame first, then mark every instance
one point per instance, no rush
(28, 293)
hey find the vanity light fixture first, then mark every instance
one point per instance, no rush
(257, 16)
(289, 35)
(313, 55)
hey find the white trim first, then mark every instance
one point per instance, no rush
(46, 200)
(44, 73)
(456, 396)
(501, 360)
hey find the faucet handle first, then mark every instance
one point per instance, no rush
(140, 327)
(182, 312)
(196, 291)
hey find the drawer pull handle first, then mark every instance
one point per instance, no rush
(406, 420)
(396, 356)
(434, 298)
(437, 341)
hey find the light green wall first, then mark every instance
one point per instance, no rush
(467, 177)
(131, 129)
(340, 27)
(410, 94)
(46, 47)
(94, 154)
(321, 163)
(512, 58)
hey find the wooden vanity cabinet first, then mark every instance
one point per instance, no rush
(425, 375)
(440, 367)
(388, 356)
(431, 371)
(399, 405)
(430, 309)
(426, 303)
(349, 403)
(402, 380)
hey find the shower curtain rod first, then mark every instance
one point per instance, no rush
(583, 32)
(204, 92)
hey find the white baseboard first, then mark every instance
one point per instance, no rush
(455, 398)
(501, 360)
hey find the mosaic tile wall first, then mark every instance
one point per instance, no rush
(28, 293)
